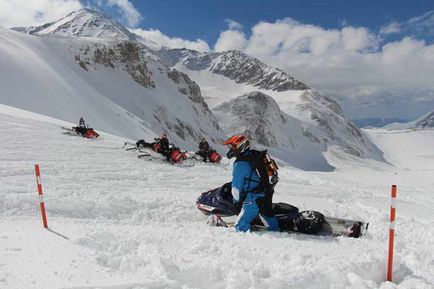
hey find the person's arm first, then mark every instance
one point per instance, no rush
(240, 172)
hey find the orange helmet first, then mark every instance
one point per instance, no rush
(237, 144)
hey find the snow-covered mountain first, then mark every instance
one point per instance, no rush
(83, 23)
(233, 64)
(424, 122)
(87, 64)
(301, 143)
(237, 86)
(376, 121)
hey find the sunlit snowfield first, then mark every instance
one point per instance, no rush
(121, 222)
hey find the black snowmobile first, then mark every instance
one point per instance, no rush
(217, 203)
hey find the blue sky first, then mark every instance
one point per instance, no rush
(204, 19)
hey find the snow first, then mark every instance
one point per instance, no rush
(120, 222)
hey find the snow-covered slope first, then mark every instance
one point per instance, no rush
(115, 85)
(120, 222)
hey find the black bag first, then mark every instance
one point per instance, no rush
(309, 222)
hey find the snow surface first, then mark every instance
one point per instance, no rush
(120, 222)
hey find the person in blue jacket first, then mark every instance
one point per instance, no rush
(245, 180)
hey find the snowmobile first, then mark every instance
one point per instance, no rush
(214, 157)
(81, 131)
(218, 204)
(175, 155)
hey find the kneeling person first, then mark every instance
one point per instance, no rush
(246, 188)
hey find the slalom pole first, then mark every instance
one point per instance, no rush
(41, 197)
(391, 233)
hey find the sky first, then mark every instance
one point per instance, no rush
(376, 58)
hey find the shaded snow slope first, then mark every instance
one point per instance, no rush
(114, 85)
(133, 224)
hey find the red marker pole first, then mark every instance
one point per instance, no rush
(41, 197)
(391, 233)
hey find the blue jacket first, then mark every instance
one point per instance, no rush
(242, 172)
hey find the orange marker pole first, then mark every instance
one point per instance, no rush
(41, 197)
(391, 233)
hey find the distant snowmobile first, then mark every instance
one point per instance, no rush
(217, 204)
(80, 131)
(173, 154)
(214, 157)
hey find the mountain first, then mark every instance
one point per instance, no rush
(376, 121)
(233, 64)
(237, 86)
(87, 64)
(424, 122)
(302, 143)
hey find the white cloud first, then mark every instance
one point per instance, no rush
(231, 39)
(172, 42)
(393, 27)
(35, 12)
(233, 25)
(127, 11)
(350, 63)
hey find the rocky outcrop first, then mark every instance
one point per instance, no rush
(127, 55)
(256, 115)
(234, 65)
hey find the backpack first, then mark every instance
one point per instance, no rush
(266, 169)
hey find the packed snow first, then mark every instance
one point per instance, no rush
(117, 221)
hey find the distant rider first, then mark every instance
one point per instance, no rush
(160, 145)
(81, 128)
(245, 180)
(204, 149)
